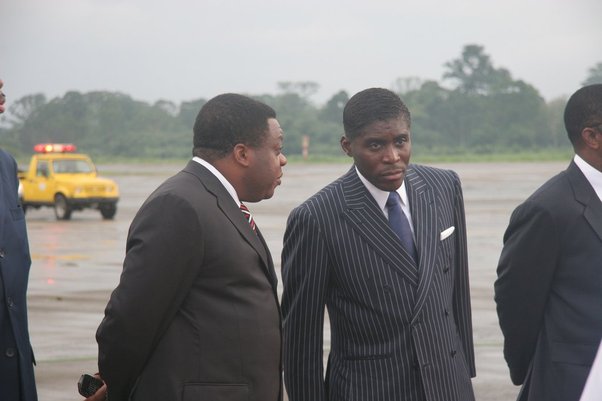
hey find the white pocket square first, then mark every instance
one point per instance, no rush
(447, 232)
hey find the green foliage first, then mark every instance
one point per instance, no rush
(299, 117)
(484, 112)
(594, 75)
(102, 123)
(188, 112)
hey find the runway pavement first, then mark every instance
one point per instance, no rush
(77, 263)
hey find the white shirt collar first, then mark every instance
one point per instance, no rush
(592, 175)
(381, 196)
(220, 177)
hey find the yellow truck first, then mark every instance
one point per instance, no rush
(60, 178)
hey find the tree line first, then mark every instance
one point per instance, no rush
(475, 108)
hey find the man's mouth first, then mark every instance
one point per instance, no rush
(393, 174)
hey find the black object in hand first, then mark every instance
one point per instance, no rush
(88, 385)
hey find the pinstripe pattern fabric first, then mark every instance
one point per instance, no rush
(398, 331)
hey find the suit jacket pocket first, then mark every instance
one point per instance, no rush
(574, 354)
(571, 362)
(374, 378)
(215, 392)
(17, 213)
(366, 357)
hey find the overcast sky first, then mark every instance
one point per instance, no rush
(181, 50)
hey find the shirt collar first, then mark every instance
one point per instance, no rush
(593, 176)
(381, 196)
(220, 177)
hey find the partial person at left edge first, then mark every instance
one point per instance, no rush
(17, 382)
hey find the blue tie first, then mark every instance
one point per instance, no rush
(399, 223)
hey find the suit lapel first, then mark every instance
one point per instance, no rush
(424, 219)
(270, 264)
(234, 214)
(229, 208)
(366, 218)
(585, 194)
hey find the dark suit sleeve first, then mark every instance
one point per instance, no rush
(525, 272)
(16, 373)
(305, 277)
(461, 297)
(162, 258)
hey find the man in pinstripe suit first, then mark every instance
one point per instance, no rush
(400, 325)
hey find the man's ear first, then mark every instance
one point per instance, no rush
(592, 138)
(346, 145)
(242, 154)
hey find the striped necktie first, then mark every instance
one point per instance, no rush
(399, 223)
(245, 211)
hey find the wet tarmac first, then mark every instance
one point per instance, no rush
(77, 263)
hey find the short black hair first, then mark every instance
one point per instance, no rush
(583, 109)
(227, 120)
(371, 105)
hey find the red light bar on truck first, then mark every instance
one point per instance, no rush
(54, 148)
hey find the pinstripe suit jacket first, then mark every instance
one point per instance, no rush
(398, 331)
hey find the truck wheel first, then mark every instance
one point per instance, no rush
(108, 210)
(62, 210)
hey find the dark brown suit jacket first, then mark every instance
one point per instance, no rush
(195, 315)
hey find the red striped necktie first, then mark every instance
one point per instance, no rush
(245, 211)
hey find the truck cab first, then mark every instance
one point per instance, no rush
(60, 178)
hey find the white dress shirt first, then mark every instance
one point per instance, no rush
(591, 174)
(220, 177)
(593, 386)
(381, 197)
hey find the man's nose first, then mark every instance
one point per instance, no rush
(391, 154)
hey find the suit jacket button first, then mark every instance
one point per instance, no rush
(445, 269)
(10, 352)
(1, 253)
(453, 353)
(11, 303)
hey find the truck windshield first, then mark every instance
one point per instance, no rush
(72, 167)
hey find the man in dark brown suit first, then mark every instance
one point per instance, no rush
(195, 315)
